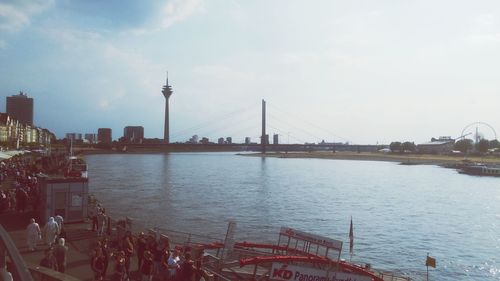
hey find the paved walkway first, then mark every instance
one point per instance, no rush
(80, 240)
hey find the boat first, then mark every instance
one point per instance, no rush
(76, 168)
(298, 255)
(480, 170)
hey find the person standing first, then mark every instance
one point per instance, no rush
(173, 264)
(101, 222)
(51, 229)
(106, 255)
(141, 247)
(60, 251)
(33, 234)
(147, 267)
(128, 248)
(97, 264)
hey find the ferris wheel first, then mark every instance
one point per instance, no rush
(480, 130)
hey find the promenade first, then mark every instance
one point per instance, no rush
(79, 241)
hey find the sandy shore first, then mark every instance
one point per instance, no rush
(422, 159)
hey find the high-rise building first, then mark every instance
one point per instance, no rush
(275, 139)
(247, 140)
(74, 136)
(167, 92)
(133, 134)
(104, 136)
(229, 140)
(20, 107)
(91, 138)
(220, 141)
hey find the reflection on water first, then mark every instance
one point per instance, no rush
(399, 212)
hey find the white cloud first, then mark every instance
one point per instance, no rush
(14, 17)
(178, 10)
(170, 13)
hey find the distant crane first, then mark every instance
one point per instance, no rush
(463, 136)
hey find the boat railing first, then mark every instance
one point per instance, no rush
(390, 276)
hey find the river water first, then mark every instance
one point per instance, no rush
(400, 213)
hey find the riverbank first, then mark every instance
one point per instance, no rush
(417, 159)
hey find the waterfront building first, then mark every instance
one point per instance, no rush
(204, 140)
(90, 138)
(275, 139)
(220, 141)
(20, 107)
(133, 134)
(442, 145)
(247, 140)
(74, 136)
(229, 140)
(104, 136)
(13, 133)
(266, 139)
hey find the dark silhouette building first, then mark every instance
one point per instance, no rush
(167, 92)
(133, 134)
(104, 136)
(275, 139)
(20, 107)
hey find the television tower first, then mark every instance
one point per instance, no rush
(167, 92)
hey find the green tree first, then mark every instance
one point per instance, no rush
(395, 146)
(409, 146)
(463, 145)
(483, 145)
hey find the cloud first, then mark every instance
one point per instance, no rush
(178, 10)
(3, 44)
(17, 15)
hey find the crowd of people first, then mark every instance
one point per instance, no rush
(111, 257)
(55, 239)
(23, 193)
(155, 260)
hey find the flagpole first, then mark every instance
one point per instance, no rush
(351, 241)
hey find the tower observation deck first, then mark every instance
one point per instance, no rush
(167, 92)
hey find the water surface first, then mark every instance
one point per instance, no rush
(400, 213)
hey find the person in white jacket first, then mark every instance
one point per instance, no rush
(51, 230)
(33, 234)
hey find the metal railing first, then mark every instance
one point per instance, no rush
(8, 250)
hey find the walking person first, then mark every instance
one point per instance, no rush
(33, 234)
(60, 253)
(51, 229)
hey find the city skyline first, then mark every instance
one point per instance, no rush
(361, 72)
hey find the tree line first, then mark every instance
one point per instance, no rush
(463, 145)
(466, 145)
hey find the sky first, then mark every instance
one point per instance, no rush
(363, 72)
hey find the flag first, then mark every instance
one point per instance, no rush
(430, 262)
(351, 239)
